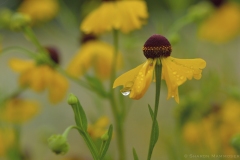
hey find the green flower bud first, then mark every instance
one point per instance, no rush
(105, 136)
(72, 99)
(235, 142)
(5, 17)
(18, 21)
(58, 144)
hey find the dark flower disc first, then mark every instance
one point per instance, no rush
(54, 54)
(157, 46)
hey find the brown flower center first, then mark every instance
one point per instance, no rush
(157, 46)
(217, 3)
(54, 54)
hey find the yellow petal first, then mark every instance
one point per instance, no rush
(19, 65)
(19, 110)
(222, 25)
(57, 88)
(143, 80)
(176, 71)
(127, 77)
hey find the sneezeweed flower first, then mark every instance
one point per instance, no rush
(99, 128)
(96, 54)
(174, 71)
(123, 15)
(18, 110)
(38, 75)
(223, 24)
(39, 11)
(7, 139)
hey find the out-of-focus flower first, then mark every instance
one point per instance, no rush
(39, 11)
(223, 24)
(7, 138)
(41, 76)
(17, 110)
(96, 54)
(174, 71)
(214, 131)
(98, 129)
(124, 15)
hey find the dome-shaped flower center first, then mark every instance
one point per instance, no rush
(157, 46)
(54, 54)
(88, 37)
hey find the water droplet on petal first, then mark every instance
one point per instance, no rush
(181, 77)
(172, 96)
(174, 72)
(125, 93)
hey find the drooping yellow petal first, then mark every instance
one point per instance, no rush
(7, 138)
(223, 25)
(97, 129)
(97, 54)
(176, 71)
(39, 11)
(122, 15)
(19, 110)
(143, 79)
(57, 88)
(19, 65)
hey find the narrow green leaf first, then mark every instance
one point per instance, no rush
(156, 129)
(82, 115)
(106, 144)
(135, 156)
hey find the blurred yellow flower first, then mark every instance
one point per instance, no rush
(222, 25)
(18, 110)
(96, 54)
(39, 77)
(174, 71)
(39, 10)
(124, 15)
(100, 127)
(7, 138)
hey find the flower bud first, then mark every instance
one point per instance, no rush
(72, 99)
(105, 136)
(58, 144)
(5, 17)
(18, 21)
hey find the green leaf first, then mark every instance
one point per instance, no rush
(105, 144)
(154, 138)
(80, 116)
(135, 156)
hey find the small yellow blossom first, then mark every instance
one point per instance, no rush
(18, 110)
(124, 15)
(96, 54)
(40, 77)
(97, 129)
(222, 25)
(174, 71)
(7, 138)
(39, 10)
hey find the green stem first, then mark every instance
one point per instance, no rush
(28, 32)
(158, 73)
(117, 114)
(14, 152)
(17, 48)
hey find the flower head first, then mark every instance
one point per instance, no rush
(98, 129)
(93, 54)
(124, 15)
(223, 24)
(174, 71)
(17, 110)
(39, 11)
(38, 76)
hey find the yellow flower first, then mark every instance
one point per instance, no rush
(40, 77)
(124, 15)
(17, 110)
(39, 11)
(222, 25)
(174, 71)
(7, 138)
(96, 54)
(97, 129)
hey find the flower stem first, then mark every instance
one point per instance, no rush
(117, 114)
(153, 138)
